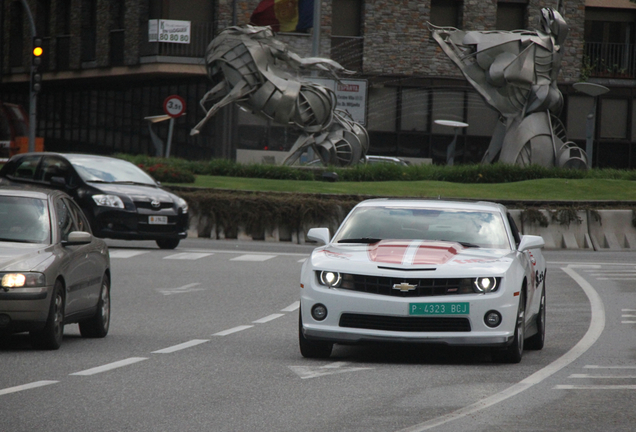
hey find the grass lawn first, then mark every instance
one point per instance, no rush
(540, 190)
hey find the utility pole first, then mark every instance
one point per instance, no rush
(33, 87)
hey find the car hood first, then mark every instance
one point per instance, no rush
(432, 257)
(23, 256)
(135, 191)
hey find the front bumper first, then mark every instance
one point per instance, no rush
(124, 225)
(24, 311)
(379, 308)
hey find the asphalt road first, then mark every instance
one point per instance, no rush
(204, 338)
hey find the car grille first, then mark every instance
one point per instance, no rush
(404, 324)
(423, 287)
(147, 205)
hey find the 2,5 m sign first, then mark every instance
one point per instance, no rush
(170, 31)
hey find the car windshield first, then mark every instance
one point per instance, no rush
(469, 227)
(110, 170)
(24, 220)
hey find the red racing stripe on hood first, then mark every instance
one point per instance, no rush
(413, 252)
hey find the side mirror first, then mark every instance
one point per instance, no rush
(531, 242)
(320, 235)
(77, 238)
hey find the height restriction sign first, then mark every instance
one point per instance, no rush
(174, 106)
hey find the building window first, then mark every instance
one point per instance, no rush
(89, 30)
(614, 118)
(346, 17)
(16, 20)
(609, 42)
(382, 111)
(445, 13)
(511, 15)
(414, 110)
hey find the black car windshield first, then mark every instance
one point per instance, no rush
(109, 170)
(472, 228)
(24, 220)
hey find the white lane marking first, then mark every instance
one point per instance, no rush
(595, 387)
(233, 330)
(187, 256)
(616, 279)
(597, 324)
(628, 322)
(411, 250)
(110, 366)
(252, 257)
(576, 376)
(302, 260)
(305, 372)
(268, 318)
(292, 307)
(193, 342)
(125, 253)
(628, 310)
(608, 367)
(29, 386)
(184, 289)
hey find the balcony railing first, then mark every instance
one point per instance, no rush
(610, 60)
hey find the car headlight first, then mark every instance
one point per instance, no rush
(108, 201)
(479, 285)
(183, 205)
(333, 279)
(485, 284)
(20, 280)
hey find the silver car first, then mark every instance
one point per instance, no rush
(53, 271)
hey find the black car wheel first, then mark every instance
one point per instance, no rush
(536, 341)
(312, 349)
(514, 352)
(168, 243)
(97, 326)
(50, 337)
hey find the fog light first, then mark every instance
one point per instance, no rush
(492, 318)
(319, 312)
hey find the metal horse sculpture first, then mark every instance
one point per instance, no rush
(248, 66)
(516, 73)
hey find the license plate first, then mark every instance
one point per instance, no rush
(462, 308)
(158, 220)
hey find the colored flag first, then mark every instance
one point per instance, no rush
(284, 15)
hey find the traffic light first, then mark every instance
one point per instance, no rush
(36, 61)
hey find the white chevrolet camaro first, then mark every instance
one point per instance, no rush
(424, 271)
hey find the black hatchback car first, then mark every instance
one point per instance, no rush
(120, 200)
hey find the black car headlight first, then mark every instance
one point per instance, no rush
(22, 280)
(183, 205)
(479, 285)
(108, 201)
(333, 279)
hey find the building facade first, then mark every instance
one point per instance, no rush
(104, 75)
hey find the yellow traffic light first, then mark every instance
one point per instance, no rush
(38, 51)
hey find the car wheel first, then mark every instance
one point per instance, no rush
(309, 348)
(514, 352)
(535, 342)
(50, 337)
(168, 243)
(97, 326)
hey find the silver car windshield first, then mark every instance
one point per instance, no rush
(110, 170)
(24, 220)
(471, 228)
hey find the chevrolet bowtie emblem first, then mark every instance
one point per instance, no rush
(404, 287)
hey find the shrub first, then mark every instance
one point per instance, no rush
(168, 174)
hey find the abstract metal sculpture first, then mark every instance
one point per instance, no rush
(251, 68)
(516, 73)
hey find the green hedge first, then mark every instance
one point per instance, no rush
(474, 173)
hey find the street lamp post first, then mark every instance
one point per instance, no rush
(594, 90)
